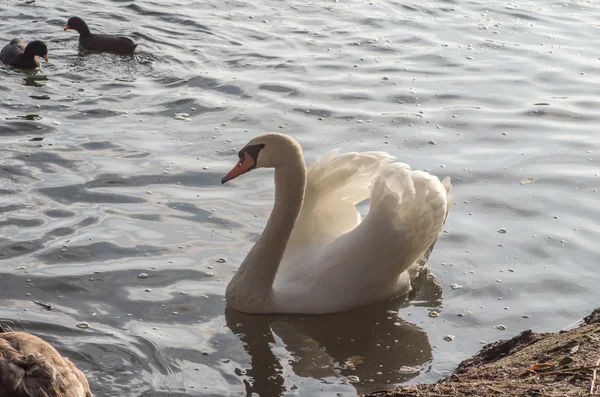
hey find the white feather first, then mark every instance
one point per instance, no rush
(334, 262)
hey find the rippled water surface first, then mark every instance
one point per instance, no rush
(101, 181)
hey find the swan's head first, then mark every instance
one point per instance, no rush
(264, 151)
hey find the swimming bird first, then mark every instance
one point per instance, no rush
(99, 42)
(315, 255)
(24, 55)
(31, 367)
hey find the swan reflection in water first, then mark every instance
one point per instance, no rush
(369, 348)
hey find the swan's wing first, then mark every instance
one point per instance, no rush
(408, 210)
(370, 263)
(335, 184)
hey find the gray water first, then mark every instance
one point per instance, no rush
(101, 181)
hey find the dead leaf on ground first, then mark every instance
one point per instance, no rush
(541, 367)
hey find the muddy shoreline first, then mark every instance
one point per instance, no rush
(564, 363)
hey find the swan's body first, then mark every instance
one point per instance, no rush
(31, 367)
(315, 255)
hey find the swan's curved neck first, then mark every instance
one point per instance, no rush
(251, 288)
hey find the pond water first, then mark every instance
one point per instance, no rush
(110, 167)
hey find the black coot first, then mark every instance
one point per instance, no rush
(23, 55)
(99, 42)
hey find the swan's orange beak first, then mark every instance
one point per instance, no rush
(46, 58)
(245, 164)
(66, 28)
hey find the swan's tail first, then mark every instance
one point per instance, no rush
(415, 204)
(345, 177)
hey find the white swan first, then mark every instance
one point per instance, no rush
(315, 256)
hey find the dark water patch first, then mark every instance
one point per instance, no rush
(138, 155)
(79, 194)
(20, 222)
(84, 292)
(11, 249)
(184, 105)
(189, 178)
(42, 159)
(279, 89)
(209, 83)
(315, 111)
(540, 251)
(147, 217)
(97, 252)
(104, 145)
(12, 172)
(171, 81)
(558, 115)
(12, 127)
(354, 97)
(513, 208)
(171, 18)
(95, 114)
(66, 231)
(11, 208)
(115, 86)
(458, 238)
(58, 213)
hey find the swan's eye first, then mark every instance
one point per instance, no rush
(251, 151)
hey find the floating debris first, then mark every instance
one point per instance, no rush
(221, 260)
(502, 230)
(355, 361)
(455, 286)
(353, 379)
(45, 305)
(182, 116)
(449, 338)
(528, 181)
(143, 275)
(83, 325)
(500, 327)
(405, 369)
(434, 314)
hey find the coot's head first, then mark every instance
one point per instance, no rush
(77, 24)
(37, 48)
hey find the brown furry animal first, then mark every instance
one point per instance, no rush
(31, 367)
